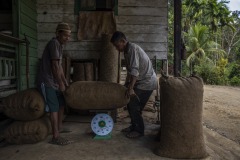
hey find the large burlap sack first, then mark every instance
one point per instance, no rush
(108, 70)
(25, 105)
(27, 132)
(85, 95)
(181, 134)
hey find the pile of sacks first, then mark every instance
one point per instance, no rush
(27, 108)
(31, 125)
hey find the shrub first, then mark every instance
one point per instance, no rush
(235, 81)
(212, 74)
(234, 71)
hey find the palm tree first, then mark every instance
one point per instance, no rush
(217, 14)
(192, 12)
(200, 46)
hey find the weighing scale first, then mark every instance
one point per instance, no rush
(102, 125)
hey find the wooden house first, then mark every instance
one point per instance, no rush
(18, 45)
(30, 24)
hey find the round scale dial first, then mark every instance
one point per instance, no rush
(102, 124)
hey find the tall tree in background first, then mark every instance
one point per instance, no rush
(212, 39)
(192, 12)
(217, 14)
(199, 45)
(207, 12)
(170, 35)
(232, 37)
(213, 15)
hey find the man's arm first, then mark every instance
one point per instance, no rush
(63, 76)
(130, 92)
(133, 80)
(57, 73)
(127, 80)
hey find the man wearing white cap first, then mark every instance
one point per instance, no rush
(53, 82)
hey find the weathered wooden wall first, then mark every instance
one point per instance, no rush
(143, 21)
(27, 25)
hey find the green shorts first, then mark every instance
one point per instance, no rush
(54, 99)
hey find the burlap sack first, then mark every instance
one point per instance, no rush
(108, 61)
(95, 95)
(181, 134)
(27, 132)
(25, 105)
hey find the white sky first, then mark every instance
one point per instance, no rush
(234, 5)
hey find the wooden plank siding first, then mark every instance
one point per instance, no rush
(143, 22)
(143, 3)
(55, 2)
(28, 27)
(32, 81)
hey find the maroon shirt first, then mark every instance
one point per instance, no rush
(52, 51)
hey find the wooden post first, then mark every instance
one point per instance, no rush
(27, 59)
(177, 37)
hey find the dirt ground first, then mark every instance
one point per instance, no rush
(221, 111)
(221, 125)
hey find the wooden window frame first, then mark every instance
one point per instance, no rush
(77, 7)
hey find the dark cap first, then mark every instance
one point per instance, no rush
(63, 27)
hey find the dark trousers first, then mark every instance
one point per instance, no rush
(135, 107)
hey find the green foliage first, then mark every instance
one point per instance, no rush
(211, 32)
(221, 66)
(211, 13)
(234, 74)
(206, 70)
(195, 40)
(199, 45)
(235, 81)
(235, 71)
(212, 74)
(170, 32)
(185, 70)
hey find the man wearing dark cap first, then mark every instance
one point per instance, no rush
(52, 82)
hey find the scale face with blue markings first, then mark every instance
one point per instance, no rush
(102, 125)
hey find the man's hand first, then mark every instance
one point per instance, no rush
(130, 92)
(62, 87)
(66, 83)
